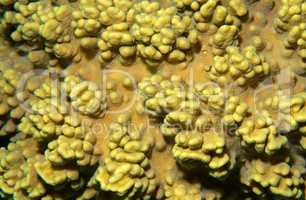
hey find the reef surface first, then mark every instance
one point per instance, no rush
(153, 100)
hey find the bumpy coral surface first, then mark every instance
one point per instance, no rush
(153, 99)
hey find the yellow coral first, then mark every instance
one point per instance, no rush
(140, 100)
(208, 149)
(262, 133)
(240, 67)
(279, 179)
(178, 189)
(290, 20)
(126, 171)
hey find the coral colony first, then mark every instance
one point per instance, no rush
(153, 100)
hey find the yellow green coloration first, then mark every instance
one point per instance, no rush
(239, 67)
(290, 21)
(126, 171)
(153, 100)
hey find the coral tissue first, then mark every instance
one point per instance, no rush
(153, 99)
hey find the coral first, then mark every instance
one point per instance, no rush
(152, 100)
(160, 96)
(68, 143)
(79, 148)
(145, 29)
(14, 95)
(224, 37)
(25, 173)
(9, 103)
(87, 98)
(52, 113)
(177, 188)
(238, 67)
(219, 17)
(48, 119)
(208, 149)
(290, 115)
(126, 171)
(260, 132)
(16, 174)
(290, 21)
(40, 23)
(280, 179)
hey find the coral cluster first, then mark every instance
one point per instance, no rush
(152, 100)
(126, 169)
(237, 67)
(290, 21)
(14, 93)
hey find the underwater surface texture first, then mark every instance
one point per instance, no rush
(153, 99)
